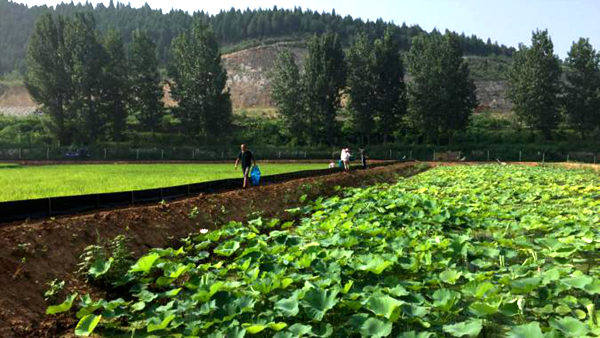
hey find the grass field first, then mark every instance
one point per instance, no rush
(21, 182)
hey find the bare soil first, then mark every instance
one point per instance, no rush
(33, 254)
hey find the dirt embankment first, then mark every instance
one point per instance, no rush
(33, 254)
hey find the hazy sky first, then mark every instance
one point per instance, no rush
(507, 21)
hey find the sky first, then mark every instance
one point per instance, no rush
(509, 22)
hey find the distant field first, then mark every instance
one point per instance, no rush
(19, 183)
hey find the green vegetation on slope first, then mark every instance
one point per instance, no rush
(464, 251)
(21, 183)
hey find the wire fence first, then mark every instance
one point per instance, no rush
(199, 154)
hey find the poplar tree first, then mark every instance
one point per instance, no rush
(87, 60)
(582, 94)
(361, 85)
(534, 84)
(323, 79)
(287, 94)
(390, 90)
(115, 84)
(441, 93)
(47, 79)
(199, 83)
(145, 85)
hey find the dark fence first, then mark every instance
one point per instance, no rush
(228, 153)
(57, 206)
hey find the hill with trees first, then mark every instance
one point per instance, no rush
(234, 29)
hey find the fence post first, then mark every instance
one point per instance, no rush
(488, 155)
(433, 154)
(280, 154)
(162, 154)
(594, 159)
(105, 153)
(410, 156)
(543, 157)
(193, 153)
(137, 155)
(567, 157)
(48, 153)
(222, 154)
(19, 153)
(520, 155)
(390, 154)
(305, 154)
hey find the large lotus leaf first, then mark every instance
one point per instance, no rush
(450, 276)
(255, 328)
(288, 306)
(300, 330)
(570, 326)
(157, 323)
(525, 285)
(413, 334)
(444, 299)
(145, 263)
(375, 328)
(228, 248)
(470, 328)
(318, 301)
(531, 330)
(100, 267)
(62, 307)
(579, 282)
(87, 324)
(374, 264)
(383, 306)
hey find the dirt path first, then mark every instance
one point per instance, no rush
(33, 254)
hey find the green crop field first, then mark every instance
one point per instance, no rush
(464, 251)
(29, 182)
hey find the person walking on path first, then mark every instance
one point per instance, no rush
(247, 159)
(363, 159)
(345, 157)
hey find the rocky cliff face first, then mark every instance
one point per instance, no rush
(250, 86)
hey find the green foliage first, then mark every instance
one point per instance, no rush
(145, 84)
(460, 251)
(288, 95)
(116, 84)
(534, 84)
(199, 83)
(54, 289)
(582, 94)
(441, 94)
(323, 80)
(107, 262)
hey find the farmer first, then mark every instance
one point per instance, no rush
(247, 160)
(345, 157)
(363, 158)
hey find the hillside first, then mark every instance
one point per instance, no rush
(232, 28)
(250, 85)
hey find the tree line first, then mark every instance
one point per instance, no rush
(94, 89)
(438, 99)
(229, 26)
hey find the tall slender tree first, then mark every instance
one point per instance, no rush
(87, 59)
(199, 84)
(324, 78)
(390, 90)
(534, 84)
(145, 84)
(47, 79)
(361, 86)
(115, 84)
(582, 94)
(287, 94)
(441, 93)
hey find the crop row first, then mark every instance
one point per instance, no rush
(464, 251)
